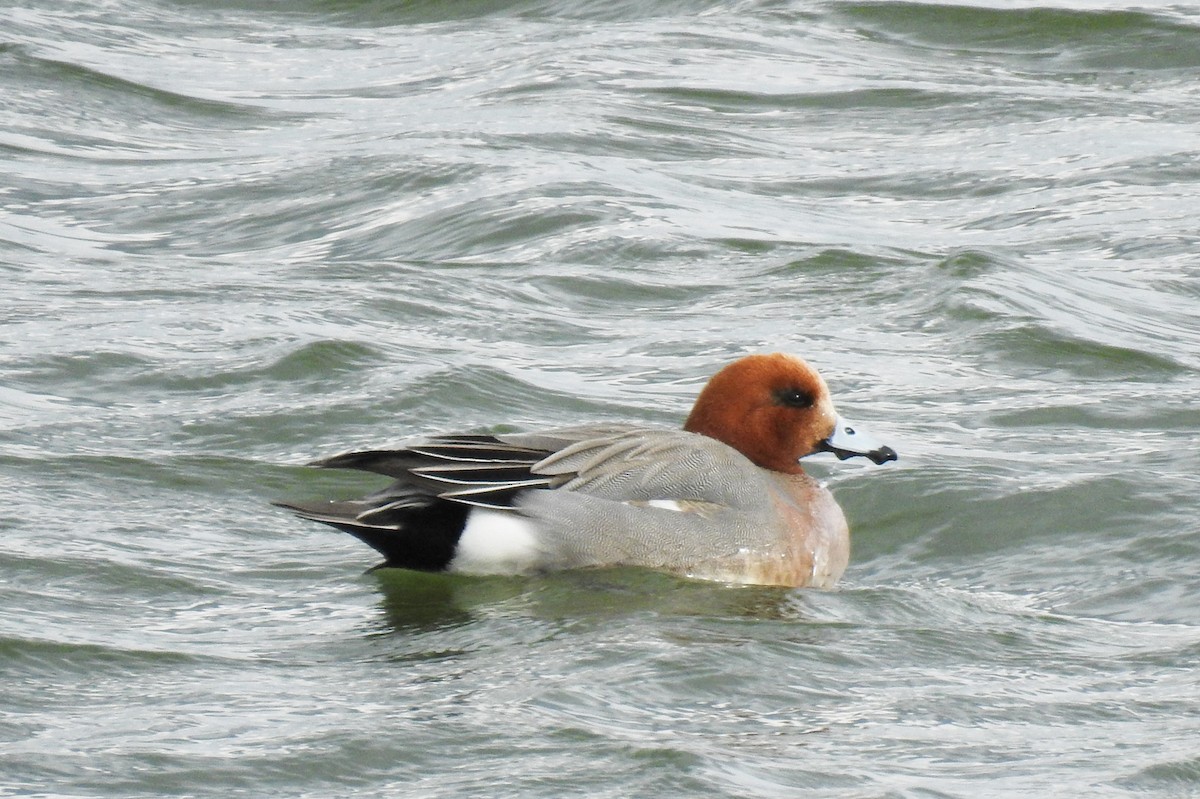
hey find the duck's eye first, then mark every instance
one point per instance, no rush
(795, 398)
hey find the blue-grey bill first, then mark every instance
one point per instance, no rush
(849, 441)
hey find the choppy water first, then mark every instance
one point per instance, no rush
(238, 235)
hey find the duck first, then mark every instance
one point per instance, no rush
(723, 498)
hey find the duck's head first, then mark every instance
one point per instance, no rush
(775, 409)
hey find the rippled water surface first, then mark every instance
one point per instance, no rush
(238, 235)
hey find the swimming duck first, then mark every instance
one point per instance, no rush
(725, 498)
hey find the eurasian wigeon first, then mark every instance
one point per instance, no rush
(725, 498)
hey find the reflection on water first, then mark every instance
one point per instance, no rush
(418, 601)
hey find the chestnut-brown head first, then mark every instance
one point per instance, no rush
(774, 409)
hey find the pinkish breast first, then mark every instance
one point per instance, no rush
(813, 530)
(809, 544)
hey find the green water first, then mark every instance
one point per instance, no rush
(237, 236)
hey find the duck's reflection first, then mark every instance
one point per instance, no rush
(419, 602)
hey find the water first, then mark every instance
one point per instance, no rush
(235, 236)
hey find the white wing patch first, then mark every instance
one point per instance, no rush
(665, 504)
(705, 509)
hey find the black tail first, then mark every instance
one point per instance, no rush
(420, 537)
(416, 522)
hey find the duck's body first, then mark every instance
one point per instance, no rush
(723, 499)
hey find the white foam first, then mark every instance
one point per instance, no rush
(495, 542)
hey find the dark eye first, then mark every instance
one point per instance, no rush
(795, 398)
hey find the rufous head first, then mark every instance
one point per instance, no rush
(775, 409)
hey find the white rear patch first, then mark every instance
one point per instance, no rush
(495, 542)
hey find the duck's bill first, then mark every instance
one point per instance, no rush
(849, 441)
